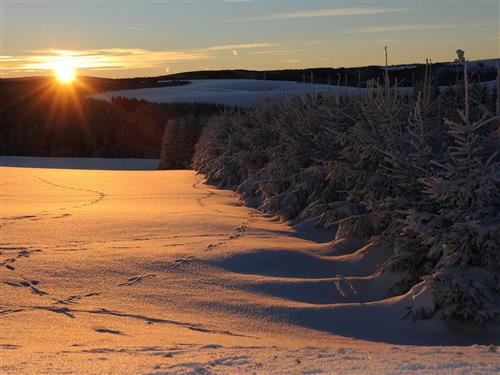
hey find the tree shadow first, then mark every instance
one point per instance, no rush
(118, 164)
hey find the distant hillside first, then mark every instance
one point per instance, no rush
(406, 75)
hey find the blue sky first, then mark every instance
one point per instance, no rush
(130, 38)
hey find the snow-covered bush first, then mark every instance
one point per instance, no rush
(384, 166)
(460, 225)
(451, 232)
(213, 145)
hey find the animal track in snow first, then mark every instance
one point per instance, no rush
(71, 300)
(15, 253)
(99, 195)
(200, 200)
(181, 261)
(27, 284)
(238, 232)
(70, 313)
(136, 279)
(46, 214)
(111, 331)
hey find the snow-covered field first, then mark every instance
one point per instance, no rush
(241, 92)
(105, 270)
(238, 92)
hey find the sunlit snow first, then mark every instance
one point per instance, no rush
(100, 263)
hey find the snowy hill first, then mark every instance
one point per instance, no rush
(240, 92)
(474, 64)
(237, 92)
(490, 63)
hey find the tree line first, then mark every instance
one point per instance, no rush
(54, 121)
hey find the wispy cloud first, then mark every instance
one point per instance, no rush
(413, 27)
(336, 12)
(240, 46)
(313, 42)
(134, 28)
(387, 41)
(291, 61)
(115, 58)
(275, 52)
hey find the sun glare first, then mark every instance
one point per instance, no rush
(64, 71)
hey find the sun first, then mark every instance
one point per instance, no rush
(64, 71)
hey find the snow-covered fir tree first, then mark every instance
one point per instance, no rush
(381, 166)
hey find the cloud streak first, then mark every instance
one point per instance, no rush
(98, 59)
(336, 12)
(275, 52)
(225, 47)
(114, 58)
(415, 27)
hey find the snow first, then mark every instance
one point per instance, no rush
(423, 303)
(474, 64)
(491, 63)
(105, 268)
(240, 92)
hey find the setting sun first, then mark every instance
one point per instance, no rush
(64, 71)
